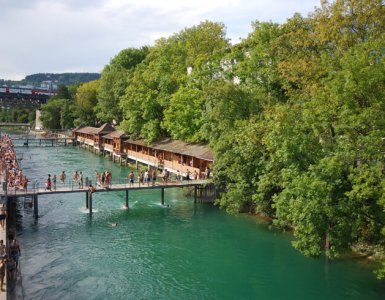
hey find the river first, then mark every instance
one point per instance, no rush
(184, 251)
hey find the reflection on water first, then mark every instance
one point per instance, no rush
(185, 251)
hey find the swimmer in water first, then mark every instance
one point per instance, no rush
(114, 224)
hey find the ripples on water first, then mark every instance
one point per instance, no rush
(185, 251)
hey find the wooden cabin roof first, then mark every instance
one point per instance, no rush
(78, 127)
(191, 149)
(116, 134)
(105, 128)
(86, 130)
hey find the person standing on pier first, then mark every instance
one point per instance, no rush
(131, 178)
(146, 179)
(25, 183)
(62, 177)
(80, 180)
(188, 175)
(108, 178)
(48, 183)
(154, 174)
(3, 251)
(54, 182)
(3, 215)
(140, 178)
(177, 176)
(97, 174)
(14, 250)
(3, 263)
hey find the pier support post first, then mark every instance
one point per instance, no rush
(162, 194)
(127, 198)
(35, 206)
(87, 198)
(90, 203)
(195, 194)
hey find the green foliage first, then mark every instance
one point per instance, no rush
(63, 92)
(63, 78)
(294, 113)
(114, 81)
(149, 94)
(51, 113)
(184, 116)
(85, 102)
(17, 115)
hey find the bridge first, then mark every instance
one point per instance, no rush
(10, 100)
(205, 189)
(5, 124)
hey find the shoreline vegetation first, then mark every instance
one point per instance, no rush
(293, 114)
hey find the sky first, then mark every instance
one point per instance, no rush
(58, 36)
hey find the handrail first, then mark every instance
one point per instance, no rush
(37, 187)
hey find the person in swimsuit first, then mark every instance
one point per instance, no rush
(3, 252)
(131, 178)
(3, 263)
(54, 182)
(62, 177)
(3, 215)
(14, 251)
(48, 183)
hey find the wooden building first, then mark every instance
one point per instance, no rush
(113, 143)
(92, 137)
(172, 155)
(167, 154)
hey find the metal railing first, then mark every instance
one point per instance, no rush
(35, 186)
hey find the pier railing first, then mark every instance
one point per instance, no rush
(39, 187)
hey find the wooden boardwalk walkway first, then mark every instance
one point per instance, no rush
(69, 188)
(37, 190)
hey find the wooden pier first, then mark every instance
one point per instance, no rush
(41, 142)
(197, 185)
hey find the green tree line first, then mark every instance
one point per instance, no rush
(294, 114)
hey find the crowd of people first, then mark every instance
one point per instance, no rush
(149, 176)
(12, 179)
(103, 179)
(11, 175)
(9, 261)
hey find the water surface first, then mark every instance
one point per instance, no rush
(185, 251)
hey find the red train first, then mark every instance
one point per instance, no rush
(26, 90)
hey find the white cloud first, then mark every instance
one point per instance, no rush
(83, 35)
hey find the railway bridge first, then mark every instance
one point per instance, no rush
(10, 100)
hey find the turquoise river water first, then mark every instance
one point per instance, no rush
(185, 251)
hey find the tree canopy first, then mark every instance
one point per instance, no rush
(293, 113)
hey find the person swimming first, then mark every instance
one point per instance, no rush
(114, 225)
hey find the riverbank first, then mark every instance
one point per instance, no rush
(370, 253)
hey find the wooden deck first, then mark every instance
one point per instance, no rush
(60, 189)
(36, 190)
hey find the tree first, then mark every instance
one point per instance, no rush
(113, 83)
(163, 73)
(51, 113)
(63, 92)
(85, 102)
(183, 117)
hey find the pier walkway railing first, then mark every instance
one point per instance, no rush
(37, 188)
(69, 186)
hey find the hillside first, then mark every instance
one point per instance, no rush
(62, 78)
